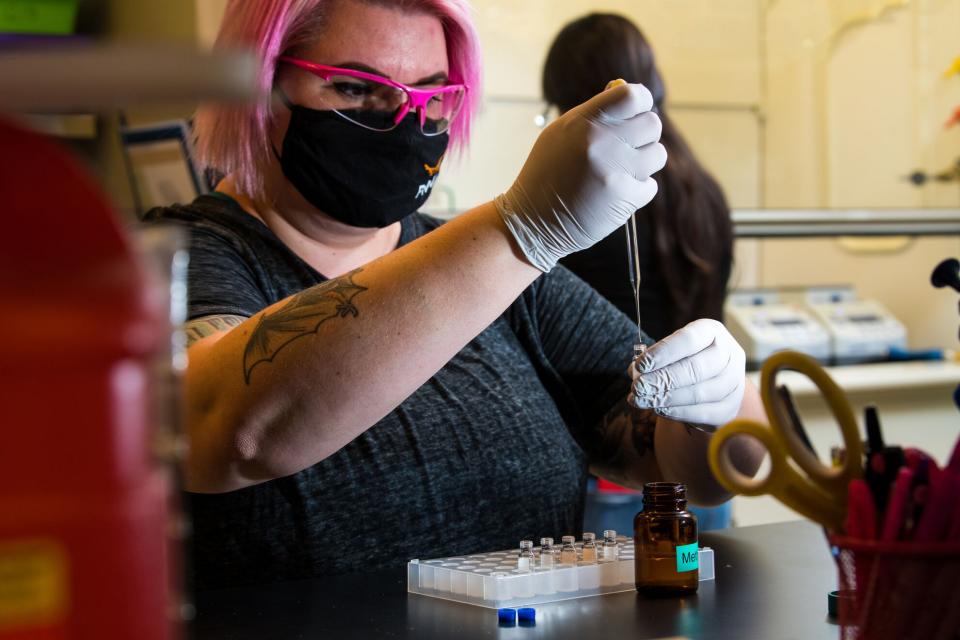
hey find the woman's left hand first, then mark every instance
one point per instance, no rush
(695, 375)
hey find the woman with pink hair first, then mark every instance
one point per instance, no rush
(367, 385)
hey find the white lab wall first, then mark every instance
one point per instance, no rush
(849, 116)
(870, 144)
(728, 141)
(937, 39)
(209, 14)
(709, 54)
(503, 134)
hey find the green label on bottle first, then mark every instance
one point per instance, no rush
(688, 557)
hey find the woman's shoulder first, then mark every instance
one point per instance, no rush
(221, 233)
(209, 211)
(217, 220)
(416, 225)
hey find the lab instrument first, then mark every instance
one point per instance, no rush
(492, 579)
(160, 165)
(763, 324)
(666, 544)
(860, 330)
(815, 490)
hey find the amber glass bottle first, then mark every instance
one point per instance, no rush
(665, 538)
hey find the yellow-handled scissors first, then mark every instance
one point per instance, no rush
(806, 485)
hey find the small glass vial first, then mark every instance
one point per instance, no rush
(611, 550)
(568, 553)
(525, 557)
(546, 553)
(665, 539)
(589, 552)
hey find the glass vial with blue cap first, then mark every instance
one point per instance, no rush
(665, 541)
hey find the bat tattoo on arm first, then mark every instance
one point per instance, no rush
(301, 316)
(621, 446)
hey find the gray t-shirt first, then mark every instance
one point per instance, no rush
(488, 452)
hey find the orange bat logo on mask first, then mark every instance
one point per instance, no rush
(432, 171)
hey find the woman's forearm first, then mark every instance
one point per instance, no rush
(301, 379)
(682, 453)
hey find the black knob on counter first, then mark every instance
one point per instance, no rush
(947, 274)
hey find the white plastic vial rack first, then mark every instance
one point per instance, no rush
(493, 580)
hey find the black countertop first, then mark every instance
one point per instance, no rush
(772, 583)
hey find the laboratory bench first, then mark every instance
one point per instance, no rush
(771, 583)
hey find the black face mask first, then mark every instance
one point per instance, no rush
(360, 177)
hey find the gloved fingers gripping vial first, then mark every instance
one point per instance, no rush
(695, 376)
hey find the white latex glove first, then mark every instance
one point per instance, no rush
(587, 173)
(695, 375)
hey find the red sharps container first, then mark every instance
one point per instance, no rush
(84, 504)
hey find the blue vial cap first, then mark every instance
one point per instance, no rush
(527, 614)
(507, 617)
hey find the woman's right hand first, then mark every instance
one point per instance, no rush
(587, 173)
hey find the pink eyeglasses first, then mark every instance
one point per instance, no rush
(379, 103)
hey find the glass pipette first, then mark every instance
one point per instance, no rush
(633, 260)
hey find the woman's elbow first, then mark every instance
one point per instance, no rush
(226, 455)
(707, 493)
(746, 455)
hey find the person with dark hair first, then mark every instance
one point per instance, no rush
(685, 233)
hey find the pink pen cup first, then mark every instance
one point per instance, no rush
(900, 589)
